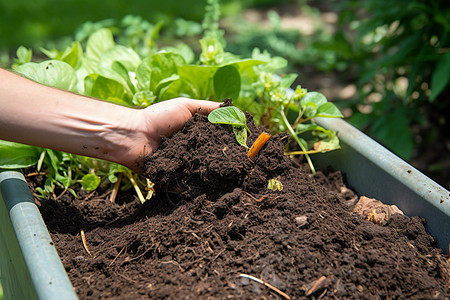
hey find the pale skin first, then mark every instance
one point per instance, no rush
(38, 115)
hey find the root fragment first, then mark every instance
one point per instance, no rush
(115, 190)
(282, 294)
(83, 239)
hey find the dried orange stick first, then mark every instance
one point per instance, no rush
(258, 144)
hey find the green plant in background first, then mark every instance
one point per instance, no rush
(400, 55)
(135, 71)
(284, 42)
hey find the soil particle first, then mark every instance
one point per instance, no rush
(213, 218)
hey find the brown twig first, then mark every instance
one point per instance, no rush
(262, 198)
(284, 295)
(83, 239)
(60, 195)
(115, 190)
(117, 255)
(174, 263)
(36, 174)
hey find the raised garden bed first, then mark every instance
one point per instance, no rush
(214, 221)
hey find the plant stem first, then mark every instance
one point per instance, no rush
(136, 187)
(295, 137)
(115, 190)
(303, 152)
(246, 127)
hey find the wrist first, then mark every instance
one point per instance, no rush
(127, 139)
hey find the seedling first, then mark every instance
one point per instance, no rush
(233, 116)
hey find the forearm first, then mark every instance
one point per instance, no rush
(46, 117)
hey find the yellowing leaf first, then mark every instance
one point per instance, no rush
(275, 185)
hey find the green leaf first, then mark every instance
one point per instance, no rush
(15, 155)
(241, 135)
(197, 81)
(24, 55)
(302, 128)
(97, 44)
(158, 70)
(122, 75)
(393, 131)
(52, 54)
(287, 80)
(105, 88)
(143, 98)
(126, 56)
(184, 50)
(328, 110)
(315, 98)
(227, 83)
(440, 77)
(90, 182)
(311, 102)
(230, 115)
(51, 72)
(328, 144)
(72, 55)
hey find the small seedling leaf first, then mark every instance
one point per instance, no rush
(328, 110)
(230, 115)
(90, 182)
(241, 135)
(315, 98)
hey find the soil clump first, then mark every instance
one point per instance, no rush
(213, 219)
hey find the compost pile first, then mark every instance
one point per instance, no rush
(213, 219)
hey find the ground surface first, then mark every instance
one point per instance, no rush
(214, 218)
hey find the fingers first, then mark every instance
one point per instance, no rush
(203, 107)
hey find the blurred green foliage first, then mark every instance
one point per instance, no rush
(398, 53)
(32, 23)
(51, 23)
(300, 49)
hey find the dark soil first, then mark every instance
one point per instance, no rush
(213, 218)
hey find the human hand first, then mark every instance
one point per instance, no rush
(81, 125)
(160, 119)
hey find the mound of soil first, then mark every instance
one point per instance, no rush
(214, 219)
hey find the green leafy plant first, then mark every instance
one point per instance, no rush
(399, 55)
(233, 116)
(138, 74)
